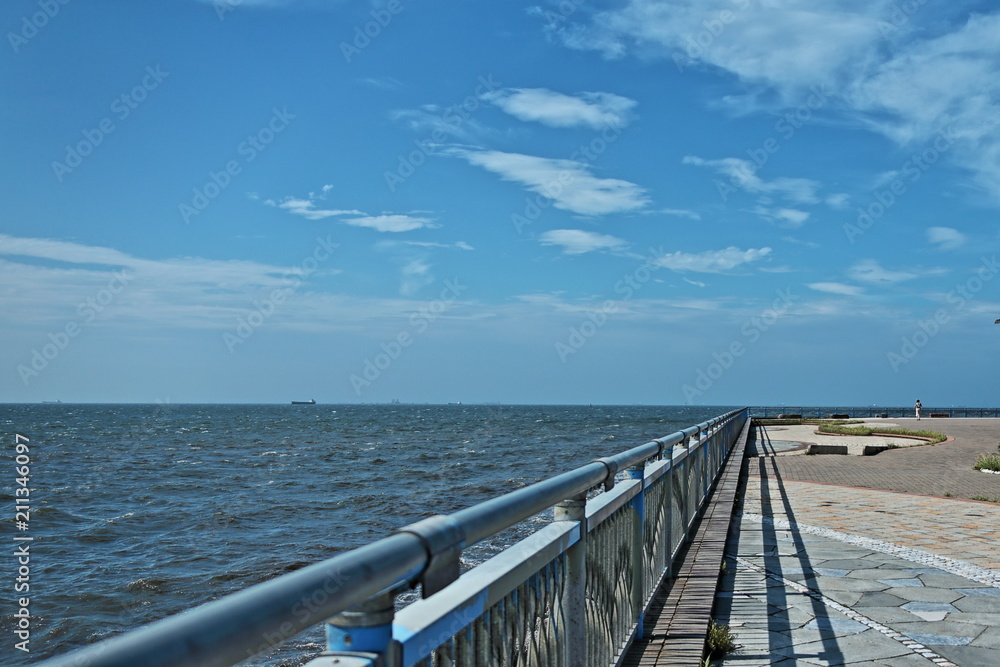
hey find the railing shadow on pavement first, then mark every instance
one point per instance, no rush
(779, 624)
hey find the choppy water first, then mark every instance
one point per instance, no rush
(142, 511)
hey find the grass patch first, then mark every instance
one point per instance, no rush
(934, 436)
(718, 643)
(987, 462)
(948, 494)
(986, 499)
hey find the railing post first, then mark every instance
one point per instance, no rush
(670, 511)
(638, 473)
(365, 628)
(574, 596)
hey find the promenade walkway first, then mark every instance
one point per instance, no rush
(863, 561)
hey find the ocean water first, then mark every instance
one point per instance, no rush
(139, 512)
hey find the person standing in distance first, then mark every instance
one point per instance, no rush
(916, 408)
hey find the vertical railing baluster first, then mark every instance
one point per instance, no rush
(638, 473)
(574, 593)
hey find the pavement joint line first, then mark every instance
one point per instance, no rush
(910, 644)
(971, 571)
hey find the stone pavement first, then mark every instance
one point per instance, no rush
(827, 574)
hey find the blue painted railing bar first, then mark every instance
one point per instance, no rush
(571, 594)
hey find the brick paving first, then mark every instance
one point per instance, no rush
(934, 470)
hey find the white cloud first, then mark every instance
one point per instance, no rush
(307, 209)
(594, 110)
(570, 185)
(870, 271)
(392, 222)
(786, 217)
(711, 261)
(680, 213)
(946, 238)
(460, 245)
(578, 241)
(446, 122)
(837, 288)
(934, 72)
(743, 175)
(415, 274)
(696, 283)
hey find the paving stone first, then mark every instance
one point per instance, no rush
(925, 594)
(970, 656)
(902, 583)
(869, 645)
(980, 592)
(837, 625)
(911, 660)
(851, 584)
(989, 638)
(879, 599)
(944, 580)
(978, 604)
(830, 572)
(847, 564)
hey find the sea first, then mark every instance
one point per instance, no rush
(138, 512)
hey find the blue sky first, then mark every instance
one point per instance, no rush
(706, 202)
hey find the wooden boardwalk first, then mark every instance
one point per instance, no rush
(677, 622)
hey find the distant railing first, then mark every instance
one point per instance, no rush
(571, 594)
(871, 412)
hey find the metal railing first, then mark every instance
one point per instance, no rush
(573, 593)
(870, 412)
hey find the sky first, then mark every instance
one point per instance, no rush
(707, 202)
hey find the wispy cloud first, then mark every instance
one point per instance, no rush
(306, 207)
(939, 72)
(946, 238)
(440, 122)
(541, 105)
(785, 217)
(711, 261)
(678, 212)
(837, 288)
(392, 222)
(870, 271)
(570, 185)
(578, 241)
(743, 175)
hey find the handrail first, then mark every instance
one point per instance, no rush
(240, 625)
